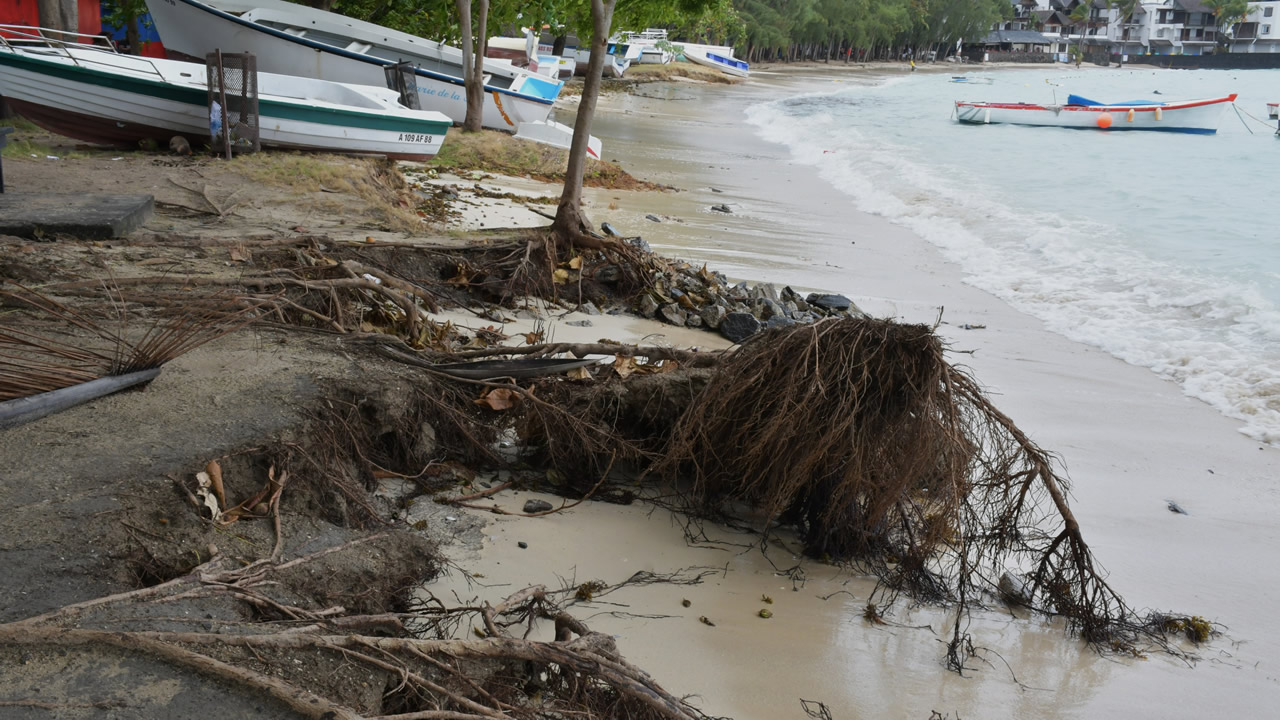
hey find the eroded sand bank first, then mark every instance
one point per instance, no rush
(1130, 442)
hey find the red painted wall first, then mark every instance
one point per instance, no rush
(25, 12)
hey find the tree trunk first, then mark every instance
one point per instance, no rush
(475, 87)
(557, 45)
(569, 221)
(132, 36)
(470, 79)
(59, 15)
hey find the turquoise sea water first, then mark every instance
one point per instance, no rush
(1161, 248)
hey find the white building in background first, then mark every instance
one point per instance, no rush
(1260, 30)
(1164, 27)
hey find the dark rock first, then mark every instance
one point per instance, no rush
(676, 293)
(580, 323)
(654, 218)
(829, 302)
(739, 292)
(738, 326)
(672, 314)
(790, 308)
(609, 274)
(712, 315)
(536, 506)
(804, 317)
(82, 215)
(647, 307)
(779, 321)
(638, 243)
(788, 294)
(607, 229)
(522, 545)
(722, 209)
(764, 308)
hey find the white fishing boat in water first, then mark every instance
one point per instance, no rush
(293, 39)
(1189, 116)
(92, 93)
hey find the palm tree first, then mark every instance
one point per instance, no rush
(1226, 13)
(1080, 18)
(1127, 9)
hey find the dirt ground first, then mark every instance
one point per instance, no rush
(95, 498)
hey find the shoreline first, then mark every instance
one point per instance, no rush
(1130, 440)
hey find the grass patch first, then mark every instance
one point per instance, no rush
(30, 139)
(497, 152)
(302, 172)
(670, 71)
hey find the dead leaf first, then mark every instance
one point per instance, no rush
(207, 498)
(533, 338)
(579, 374)
(624, 366)
(369, 239)
(239, 254)
(703, 619)
(215, 481)
(576, 263)
(560, 276)
(498, 399)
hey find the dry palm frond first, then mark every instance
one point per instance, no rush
(58, 346)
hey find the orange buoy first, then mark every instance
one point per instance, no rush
(1104, 120)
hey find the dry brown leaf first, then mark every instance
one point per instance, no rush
(498, 399)
(578, 374)
(369, 239)
(576, 263)
(533, 338)
(239, 254)
(215, 482)
(560, 276)
(624, 366)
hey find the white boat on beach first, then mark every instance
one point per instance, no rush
(92, 93)
(725, 64)
(1188, 116)
(649, 52)
(556, 135)
(296, 40)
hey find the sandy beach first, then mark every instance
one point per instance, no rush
(1130, 442)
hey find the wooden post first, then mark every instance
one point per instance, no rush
(222, 96)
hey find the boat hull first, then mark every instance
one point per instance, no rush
(196, 29)
(104, 98)
(728, 66)
(1193, 116)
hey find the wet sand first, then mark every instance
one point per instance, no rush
(1129, 440)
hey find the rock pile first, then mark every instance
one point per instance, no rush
(698, 298)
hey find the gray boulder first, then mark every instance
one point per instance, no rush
(712, 315)
(829, 301)
(536, 506)
(779, 321)
(647, 307)
(672, 314)
(738, 326)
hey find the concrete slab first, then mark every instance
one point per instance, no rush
(92, 216)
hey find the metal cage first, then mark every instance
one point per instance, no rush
(233, 102)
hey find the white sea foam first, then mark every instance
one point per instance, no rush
(1161, 278)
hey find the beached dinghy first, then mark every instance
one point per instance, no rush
(725, 63)
(95, 94)
(1189, 116)
(296, 40)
